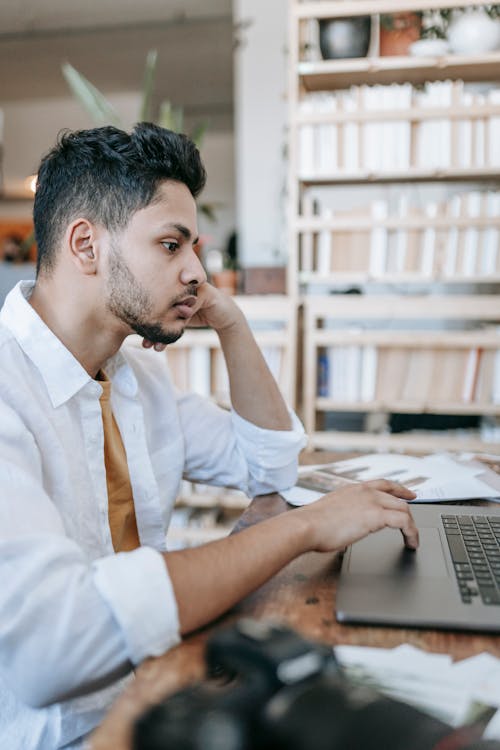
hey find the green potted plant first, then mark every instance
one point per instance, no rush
(168, 115)
(223, 266)
(469, 30)
(398, 31)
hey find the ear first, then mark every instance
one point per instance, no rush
(83, 245)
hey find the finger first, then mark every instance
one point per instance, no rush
(147, 344)
(396, 519)
(159, 347)
(393, 488)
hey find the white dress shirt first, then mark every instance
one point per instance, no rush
(74, 616)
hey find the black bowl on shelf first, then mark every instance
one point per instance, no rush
(344, 37)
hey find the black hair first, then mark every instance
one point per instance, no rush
(106, 175)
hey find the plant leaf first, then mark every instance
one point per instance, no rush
(145, 114)
(208, 210)
(198, 133)
(171, 117)
(98, 107)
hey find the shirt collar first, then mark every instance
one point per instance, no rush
(63, 375)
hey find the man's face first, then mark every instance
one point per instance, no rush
(153, 271)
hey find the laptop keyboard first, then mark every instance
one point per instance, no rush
(474, 543)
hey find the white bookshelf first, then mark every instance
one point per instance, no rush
(406, 355)
(385, 126)
(338, 74)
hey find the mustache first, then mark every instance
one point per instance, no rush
(191, 291)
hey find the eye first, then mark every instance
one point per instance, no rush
(170, 245)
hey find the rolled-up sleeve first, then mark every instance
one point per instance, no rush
(223, 449)
(271, 455)
(147, 615)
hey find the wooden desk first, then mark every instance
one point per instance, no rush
(301, 595)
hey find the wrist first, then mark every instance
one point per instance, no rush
(232, 323)
(299, 530)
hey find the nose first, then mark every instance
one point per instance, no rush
(193, 271)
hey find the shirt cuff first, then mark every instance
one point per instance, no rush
(137, 588)
(271, 455)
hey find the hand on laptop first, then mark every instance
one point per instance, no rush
(350, 513)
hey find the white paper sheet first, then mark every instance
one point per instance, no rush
(450, 691)
(434, 478)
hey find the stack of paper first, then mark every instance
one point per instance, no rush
(434, 478)
(454, 692)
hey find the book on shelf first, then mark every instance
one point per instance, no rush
(434, 135)
(473, 203)
(368, 375)
(324, 246)
(307, 241)
(485, 380)
(471, 375)
(307, 139)
(418, 375)
(199, 370)
(489, 262)
(395, 144)
(178, 363)
(454, 210)
(436, 249)
(493, 129)
(378, 239)
(351, 161)
(479, 136)
(420, 370)
(496, 379)
(401, 238)
(448, 378)
(344, 373)
(464, 135)
(220, 378)
(322, 386)
(428, 252)
(391, 373)
(327, 157)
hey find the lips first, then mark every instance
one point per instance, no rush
(185, 307)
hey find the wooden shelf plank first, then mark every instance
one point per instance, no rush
(210, 339)
(413, 174)
(404, 307)
(427, 442)
(412, 114)
(408, 339)
(329, 75)
(317, 224)
(407, 407)
(336, 9)
(348, 277)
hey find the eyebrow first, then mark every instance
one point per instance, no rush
(183, 230)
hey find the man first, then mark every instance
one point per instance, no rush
(94, 441)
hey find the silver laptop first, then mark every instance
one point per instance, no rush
(451, 581)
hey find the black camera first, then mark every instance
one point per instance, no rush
(268, 688)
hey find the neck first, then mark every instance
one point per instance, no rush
(79, 321)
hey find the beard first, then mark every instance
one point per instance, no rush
(129, 302)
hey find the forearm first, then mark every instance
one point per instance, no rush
(209, 580)
(254, 392)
